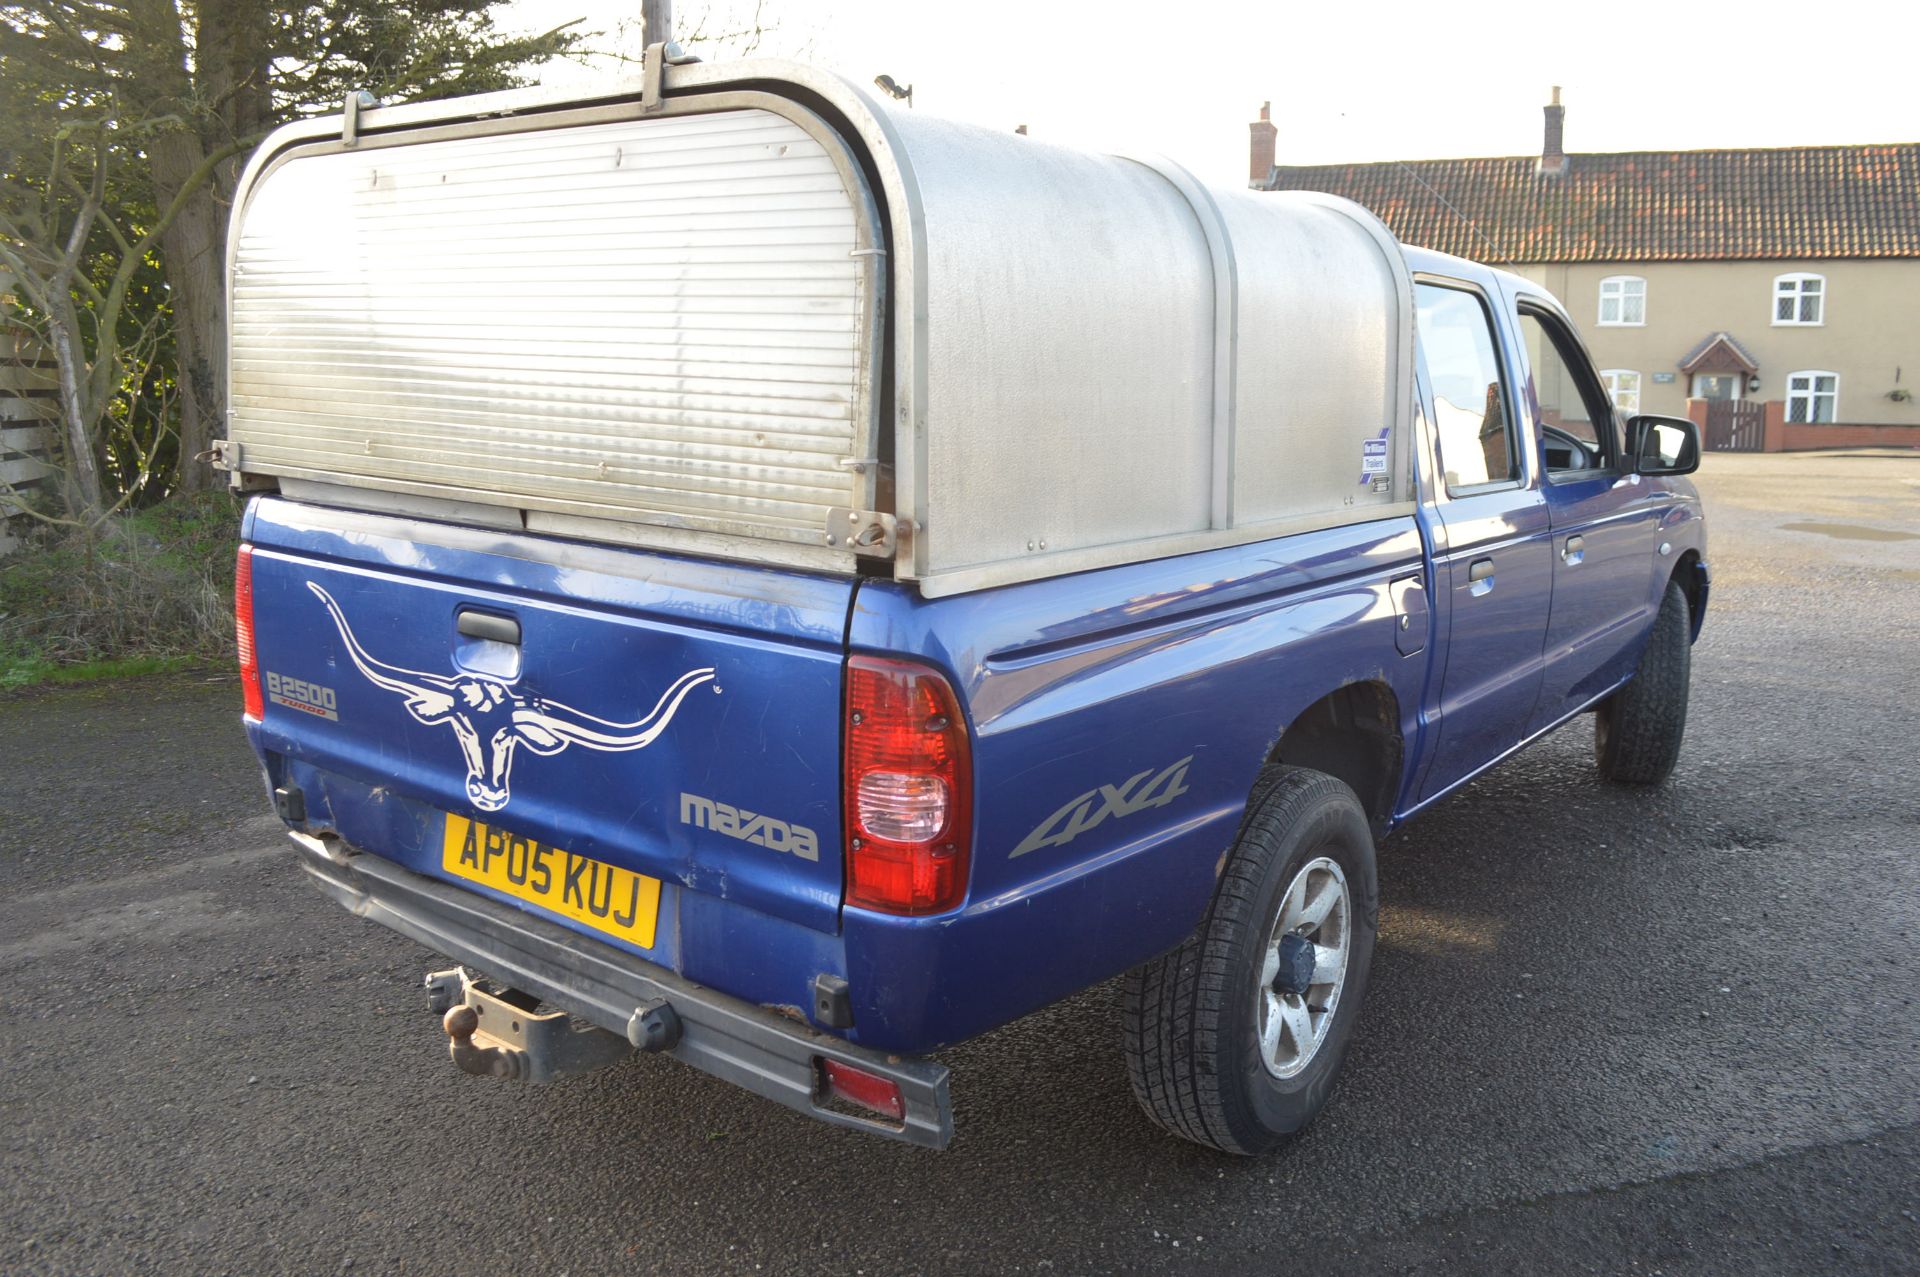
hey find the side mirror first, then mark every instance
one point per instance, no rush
(1662, 445)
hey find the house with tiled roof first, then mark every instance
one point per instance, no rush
(1788, 276)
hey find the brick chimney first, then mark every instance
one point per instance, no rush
(1553, 155)
(1260, 148)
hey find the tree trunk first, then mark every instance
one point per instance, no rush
(229, 76)
(84, 497)
(195, 251)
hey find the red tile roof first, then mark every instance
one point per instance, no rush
(1644, 206)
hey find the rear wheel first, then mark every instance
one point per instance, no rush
(1233, 1040)
(1637, 731)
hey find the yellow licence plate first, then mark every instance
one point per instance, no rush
(605, 897)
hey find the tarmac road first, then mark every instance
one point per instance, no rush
(1609, 1031)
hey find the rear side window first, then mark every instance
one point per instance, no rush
(1469, 400)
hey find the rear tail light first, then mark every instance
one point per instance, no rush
(856, 1086)
(909, 789)
(256, 706)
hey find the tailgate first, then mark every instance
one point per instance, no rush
(674, 718)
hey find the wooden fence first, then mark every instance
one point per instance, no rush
(28, 411)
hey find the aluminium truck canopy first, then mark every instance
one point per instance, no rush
(747, 309)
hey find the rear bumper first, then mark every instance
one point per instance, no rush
(750, 1046)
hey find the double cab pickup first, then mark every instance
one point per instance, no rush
(748, 572)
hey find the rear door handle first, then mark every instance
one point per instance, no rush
(1575, 550)
(485, 625)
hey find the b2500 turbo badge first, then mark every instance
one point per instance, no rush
(490, 719)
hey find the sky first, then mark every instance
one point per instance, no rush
(1351, 80)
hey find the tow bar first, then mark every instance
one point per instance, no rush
(504, 1034)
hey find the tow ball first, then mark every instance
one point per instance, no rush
(503, 1033)
(497, 1060)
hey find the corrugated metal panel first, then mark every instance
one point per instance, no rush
(662, 321)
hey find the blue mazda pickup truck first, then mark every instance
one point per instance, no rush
(753, 574)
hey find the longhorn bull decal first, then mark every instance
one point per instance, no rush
(491, 720)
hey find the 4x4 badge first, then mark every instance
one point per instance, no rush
(1137, 793)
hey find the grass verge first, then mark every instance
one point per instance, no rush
(150, 591)
(27, 673)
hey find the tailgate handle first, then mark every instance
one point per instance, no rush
(485, 625)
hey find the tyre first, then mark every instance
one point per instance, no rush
(1637, 730)
(1233, 1040)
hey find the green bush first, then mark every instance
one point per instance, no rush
(151, 589)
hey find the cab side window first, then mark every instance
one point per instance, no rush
(1573, 415)
(1469, 400)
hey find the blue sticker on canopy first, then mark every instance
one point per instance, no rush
(1373, 456)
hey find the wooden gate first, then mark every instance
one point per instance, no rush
(1736, 425)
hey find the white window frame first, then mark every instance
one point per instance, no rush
(1614, 288)
(1614, 380)
(1794, 284)
(1811, 395)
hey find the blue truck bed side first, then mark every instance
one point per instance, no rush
(1119, 719)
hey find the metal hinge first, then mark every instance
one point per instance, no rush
(225, 454)
(654, 64)
(357, 101)
(867, 532)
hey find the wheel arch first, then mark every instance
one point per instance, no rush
(1691, 575)
(1353, 734)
